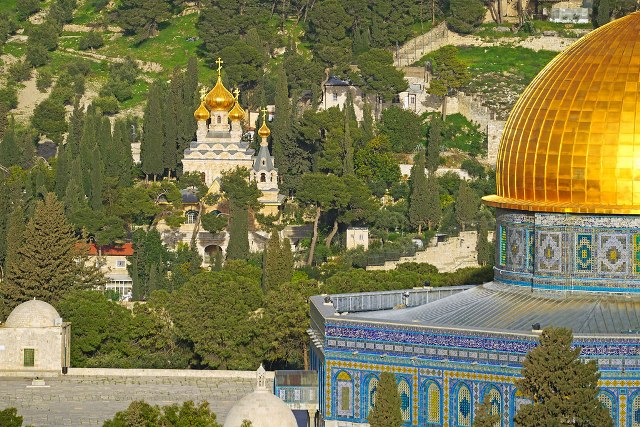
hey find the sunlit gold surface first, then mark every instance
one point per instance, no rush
(264, 131)
(572, 141)
(237, 113)
(201, 114)
(219, 98)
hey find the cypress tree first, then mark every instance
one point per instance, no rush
(74, 198)
(433, 146)
(171, 111)
(367, 123)
(97, 181)
(386, 411)
(15, 236)
(287, 261)
(9, 152)
(433, 212)
(122, 150)
(348, 145)
(46, 260)
(466, 205)
(190, 100)
(603, 12)
(419, 198)
(562, 388)
(281, 126)
(151, 148)
(238, 247)
(483, 247)
(272, 257)
(88, 145)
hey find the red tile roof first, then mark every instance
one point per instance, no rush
(120, 250)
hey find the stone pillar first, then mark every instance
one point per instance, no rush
(201, 133)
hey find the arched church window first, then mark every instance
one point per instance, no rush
(404, 390)
(264, 162)
(463, 406)
(371, 390)
(344, 395)
(219, 120)
(192, 216)
(634, 412)
(606, 398)
(431, 400)
(517, 400)
(495, 402)
(263, 177)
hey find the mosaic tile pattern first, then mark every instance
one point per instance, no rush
(570, 251)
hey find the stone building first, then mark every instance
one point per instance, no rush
(34, 339)
(112, 261)
(567, 254)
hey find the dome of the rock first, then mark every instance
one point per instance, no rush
(32, 314)
(572, 141)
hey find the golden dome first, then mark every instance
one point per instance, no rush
(264, 131)
(237, 113)
(219, 98)
(201, 114)
(570, 143)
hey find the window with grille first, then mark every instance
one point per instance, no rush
(29, 357)
(405, 400)
(432, 404)
(463, 403)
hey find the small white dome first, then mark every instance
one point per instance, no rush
(263, 409)
(32, 314)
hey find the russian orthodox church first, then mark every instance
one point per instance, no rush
(567, 255)
(219, 146)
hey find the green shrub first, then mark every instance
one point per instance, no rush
(20, 71)
(44, 79)
(9, 96)
(91, 40)
(107, 104)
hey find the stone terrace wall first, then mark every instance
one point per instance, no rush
(91, 396)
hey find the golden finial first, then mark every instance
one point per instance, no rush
(237, 113)
(203, 93)
(264, 131)
(219, 61)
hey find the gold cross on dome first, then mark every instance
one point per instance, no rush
(203, 93)
(236, 92)
(264, 113)
(219, 61)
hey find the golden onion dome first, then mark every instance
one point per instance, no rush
(572, 140)
(219, 98)
(201, 114)
(237, 113)
(264, 131)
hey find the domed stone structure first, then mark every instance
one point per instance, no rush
(34, 339)
(261, 407)
(567, 255)
(33, 314)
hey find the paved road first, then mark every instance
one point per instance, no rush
(79, 401)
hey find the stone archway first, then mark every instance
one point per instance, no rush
(211, 251)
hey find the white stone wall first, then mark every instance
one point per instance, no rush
(48, 343)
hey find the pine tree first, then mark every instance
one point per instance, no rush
(386, 411)
(46, 265)
(151, 148)
(433, 146)
(485, 415)
(418, 200)
(466, 205)
(562, 388)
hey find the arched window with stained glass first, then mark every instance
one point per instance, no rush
(495, 401)
(633, 411)
(607, 399)
(404, 390)
(343, 399)
(370, 391)
(431, 404)
(463, 406)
